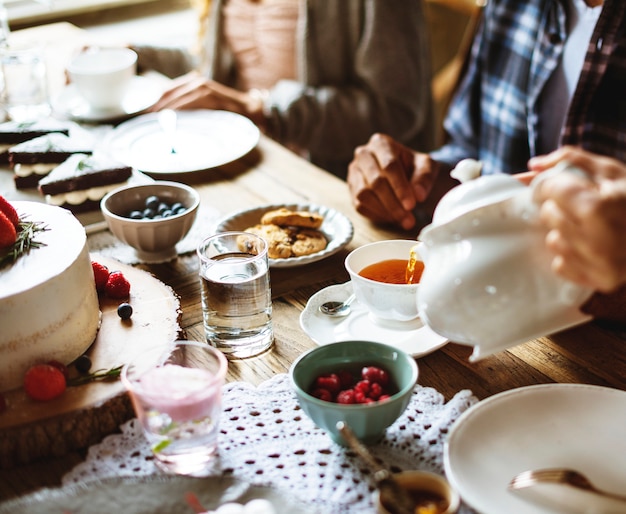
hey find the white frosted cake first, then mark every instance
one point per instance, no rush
(48, 301)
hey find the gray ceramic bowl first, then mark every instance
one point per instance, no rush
(367, 421)
(154, 240)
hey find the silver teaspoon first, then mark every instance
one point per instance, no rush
(337, 308)
(397, 499)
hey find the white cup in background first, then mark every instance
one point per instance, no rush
(24, 93)
(102, 75)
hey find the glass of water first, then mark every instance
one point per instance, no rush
(236, 294)
(24, 91)
(177, 396)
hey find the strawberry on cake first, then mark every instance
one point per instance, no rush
(48, 301)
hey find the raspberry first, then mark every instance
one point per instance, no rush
(9, 211)
(346, 397)
(375, 391)
(375, 374)
(117, 286)
(44, 382)
(330, 382)
(100, 274)
(61, 367)
(345, 378)
(363, 386)
(322, 394)
(8, 234)
(360, 396)
(349, 388)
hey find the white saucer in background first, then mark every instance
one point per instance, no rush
(142, 94)
(413, 337)
(204, 139)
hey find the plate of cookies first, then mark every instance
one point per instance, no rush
(296, 234)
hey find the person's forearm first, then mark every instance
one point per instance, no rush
(170, 61)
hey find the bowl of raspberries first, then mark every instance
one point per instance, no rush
(365, 384)
(152, 218)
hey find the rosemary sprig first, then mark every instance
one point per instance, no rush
(25, 242)
(100, 374)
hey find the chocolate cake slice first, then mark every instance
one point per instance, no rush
(80, 182)
(14, 132)
(35, 158)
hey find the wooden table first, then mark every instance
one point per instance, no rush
(591, 354)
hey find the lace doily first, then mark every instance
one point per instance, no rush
(265, 439)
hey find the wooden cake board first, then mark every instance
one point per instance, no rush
(84, 414)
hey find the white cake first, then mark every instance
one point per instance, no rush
(48, 301)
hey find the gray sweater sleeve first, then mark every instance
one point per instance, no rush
(171, 62)
(367, 69)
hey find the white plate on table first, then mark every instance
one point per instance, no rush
(546, 426)
(142, 94)
(156, 494)
(413, 337)
(336, 227)
(204, 139)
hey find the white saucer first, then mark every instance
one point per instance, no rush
(142, 94)
(413, 337)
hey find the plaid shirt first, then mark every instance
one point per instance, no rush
(494, 115)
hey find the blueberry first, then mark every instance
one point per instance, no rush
(178, 210)
(149, 213)
(176, 206)
(163, 207)
(124, 310)
(82, 364)
(135, 215)
(167, 213)
(152, 202)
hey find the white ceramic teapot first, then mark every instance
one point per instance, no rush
(487, 280)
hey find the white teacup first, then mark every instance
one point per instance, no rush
(102, 75)
(386, 302)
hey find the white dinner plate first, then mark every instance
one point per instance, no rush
(204, 139)
(142, 94)
(544, 426)
(157, 494)
(413, 337)
(337, 229)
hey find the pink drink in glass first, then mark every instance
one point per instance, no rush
(179, 403)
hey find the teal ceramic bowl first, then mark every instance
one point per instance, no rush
(367, 421)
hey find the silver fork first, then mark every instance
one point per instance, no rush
(560, 476)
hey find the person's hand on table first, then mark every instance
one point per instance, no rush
(193, 91)
(388, 180)
(586, 217)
